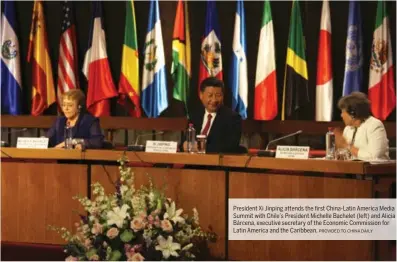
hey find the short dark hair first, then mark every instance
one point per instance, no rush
(212, 81)
(356, 104)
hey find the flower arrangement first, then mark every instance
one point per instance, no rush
(134, 225)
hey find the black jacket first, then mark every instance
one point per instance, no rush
(225, 132)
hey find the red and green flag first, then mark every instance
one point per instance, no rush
(181, 60)
(381, 91)
(265, 106)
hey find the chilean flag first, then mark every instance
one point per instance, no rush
(10, 62)
(96, 67)
(211, 48)
(239, 77)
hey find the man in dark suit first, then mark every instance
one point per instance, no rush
(220, 124)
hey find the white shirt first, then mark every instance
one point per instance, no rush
(205, 119)
(370, 139)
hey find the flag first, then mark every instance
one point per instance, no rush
(11, 83)
(181, 56)
(239, 77)
(265, 101)
(381, 91)
(154, 82)
(295, 91)
(68, 77)
(129, 93)
(43, 92)
(324, 87)
(211, 48)
(96, 67)
(354, 57)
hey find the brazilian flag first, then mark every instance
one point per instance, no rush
(295, 91)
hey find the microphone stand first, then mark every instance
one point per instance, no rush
(270, 153)
(136, 147)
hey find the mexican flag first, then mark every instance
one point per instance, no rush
(265, 103)
(381, 90)
(181, 61)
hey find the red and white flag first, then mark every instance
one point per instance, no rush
(381, 91)
(324, 86)
(96, 67)
(68, 77)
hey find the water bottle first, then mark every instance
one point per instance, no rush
(68, 137)
(191, 138)
(330, 144)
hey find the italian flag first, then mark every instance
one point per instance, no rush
(181, 61)
(265, 103)
(129, 78)
(381, 91)
(324, 88)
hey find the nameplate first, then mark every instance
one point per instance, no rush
(161, 146)
(295, 152)
(32, 142)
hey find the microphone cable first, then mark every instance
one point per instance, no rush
(7, 155)
(248, 161)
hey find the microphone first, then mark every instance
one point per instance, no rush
(5, 143)
(136, 147)
(269, 153)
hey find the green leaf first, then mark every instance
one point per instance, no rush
(127, 236)
(116, 255)
(90, 252)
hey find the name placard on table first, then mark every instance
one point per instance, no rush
(294, 152)
(32, 142)
(161, 146)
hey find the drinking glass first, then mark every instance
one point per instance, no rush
(201, 143)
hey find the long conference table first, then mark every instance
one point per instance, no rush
(37, 186)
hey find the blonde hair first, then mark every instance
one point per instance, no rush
(75, 95)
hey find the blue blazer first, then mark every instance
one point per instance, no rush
(87, 127)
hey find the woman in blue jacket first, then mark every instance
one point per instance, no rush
(85, 127)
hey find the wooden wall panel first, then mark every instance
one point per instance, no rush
(35, 195)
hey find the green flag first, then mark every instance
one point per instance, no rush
(295, 91)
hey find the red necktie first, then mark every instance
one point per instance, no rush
(207, 125)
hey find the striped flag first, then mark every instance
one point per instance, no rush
(295, 91)
(181, 56)
(265, 104)
(211, 48)
(43, 92)
(154, 82)
(129, 93)
(354, 51)
(324, 87)
(11, 83)
(381, 91)
(239, 77)
(68, 77)
(96, 67)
